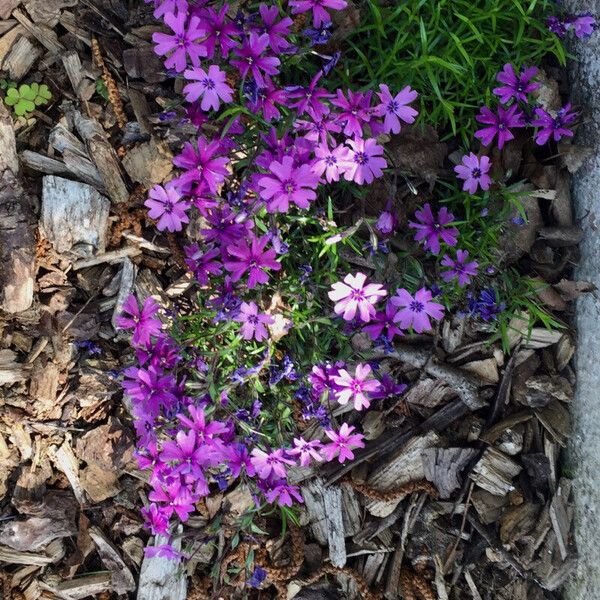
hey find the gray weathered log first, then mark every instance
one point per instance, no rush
(21, 58)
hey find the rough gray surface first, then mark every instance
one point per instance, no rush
(584, 452)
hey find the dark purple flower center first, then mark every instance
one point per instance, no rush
(330, 160)
(393, 106)
(253, 319)
(208, 83)
(501, 126)
(361, 158)
(356, 387)
(289, 186)
(416, 306)
(357, 295)
(476, 173)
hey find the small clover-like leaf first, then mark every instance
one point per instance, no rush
(23, 107)
(44, 92)
(27, 92)
(12, 97)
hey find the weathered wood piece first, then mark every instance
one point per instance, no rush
(443, 465)
(495, 471)
(160, 578)
(122, 580)
(21, 58)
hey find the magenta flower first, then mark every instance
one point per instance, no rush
(270, 463)
(498, 124)
(288, 184)
(223, 229)
(211, 87)
(187, 456)
(250, 255)
(251, 59)
(176, 498)
(415, 311)
(474, 171)
(356, 111)
(318, 130)
(267, 99)
(207, 433)
(202, 264)
(276, 30)
(253, 322)
(583, 25)
(281, 492)
(181, 43)
(155, 519)
(318, 8)
(331, 162)
(219, 31)
(143, 322)
(515, 86)
(307, 451)
(384, 321)
(342, 443)
(166, 206)
(366, 161)
(238, 459)
(353, 295)
(310, 99)
(203, 167)
(355, 388)
(459, 268)
(553, 127)
(394, 108)
(434, 230)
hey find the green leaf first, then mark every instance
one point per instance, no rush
(27, 92)
(23, 107)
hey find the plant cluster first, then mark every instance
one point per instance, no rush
(25, 98)
(220, 394)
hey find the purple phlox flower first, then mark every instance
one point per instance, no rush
(207, 433)
(357, 387)
(162, 354)
(389, 387)
(143, 322)
(237, 458)
(88, 346)
(181, 43)
(583, 25)
(414, 311)
(354, 294)
(310, 99)
(366, 161)
(307, 451)
(280, 491)
(330, 62)
(321, 377)
(474, 171)
(155, 519)
(318, 8)
(318, 130)
(166, 205)
(288, 184)
(266, 99)
(557, 26)
(164, 551)
(459, 268)
(553, 127)
(355, 111)
(486, 306)
(196, 115)
(276, 30)
(387, 221)
(250, 255)
(499, 124)
(174, 497)
(342, 443)
(202, 264)
(253, 322)
(384, 321)
(219, 31)
(251, 60)
(270, 463)
(394, 108)
(163, 7)
(515, 86)
(149, 389)
(188, 457)
(224, 230)
(433, 230)
(211, 87)
(330, 161)
(285, 371)
(319, 35)
(202, 166)
(257, 577)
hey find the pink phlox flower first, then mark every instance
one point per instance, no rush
(288, 184)
(174, 497)
(276, 30)
(366, 161)
(143, 321)
(387, 221)
(317, 130)
(309, 99)
(356, 111)
(516, 86)
(270, 463)
(150, 390)
(207, 433)
(181, 43)
(330, 162)
(474, 171)
(251, 59)
(155, 519)
(322, 377)
(220, 30)
(356, 387)
(342, 443)
(162, 353)
(187, 456)
(202, 264)
(238, 458)
(267, 98)
(414, 311)
(354, 294)
(318, 8)
(253, 322)
(166, 205)
(394, 108)
(553, 127)
(165, 551)
(499, 124)
(459, 268)
(383, 321)
(306, 450)
(164, 7)
(281, 492)
(250, 255)
(211, 87)
(202, 165)
(432, 231)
